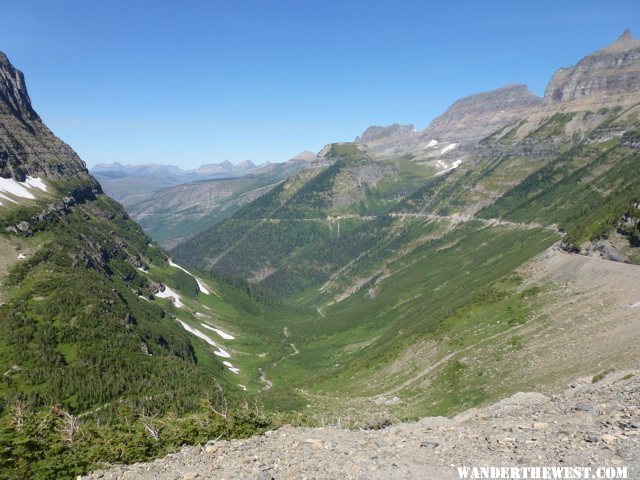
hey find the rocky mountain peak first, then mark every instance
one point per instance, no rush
(376, 133)
(305, 156)
(246, 165)
(613, 71)
(14, 97)
(27, 146)
(477, 115)
(626, 35)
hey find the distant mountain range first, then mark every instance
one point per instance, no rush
(120, 181)
(173, 214)
(152, 169)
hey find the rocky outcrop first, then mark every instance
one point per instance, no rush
(389, 139)
(610, 74)
(14, 98)
(27, 146)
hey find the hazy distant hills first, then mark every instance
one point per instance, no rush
(120, 181)
(173, 214)
(172, 204)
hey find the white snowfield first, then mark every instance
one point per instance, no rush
(20, 189)
(431, 144)
(219, 352)
(453, 166)
(223, 334)
(36, 183)
(448, 148)
(203, 288)
(169, 293)
(232, 369)
(635, 305)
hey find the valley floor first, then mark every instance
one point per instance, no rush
(588, 322)
(588, 425)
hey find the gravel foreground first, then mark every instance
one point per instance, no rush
(590, 424)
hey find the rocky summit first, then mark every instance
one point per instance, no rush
(476, 116)
(377, 133)
(605, 78)
(466, 120)
(607, 75)
(27, 146)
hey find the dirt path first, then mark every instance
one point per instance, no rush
(263, 378)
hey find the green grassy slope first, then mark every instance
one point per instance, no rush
(585, 191)
(83, 339)
(300, 232)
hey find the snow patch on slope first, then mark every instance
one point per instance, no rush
(36, 183)
(453, 166)
(448, 148)
(203, 288)
(20, 189)
(219, 352)
(431, 144)
(231, 368)
(169, 293)
(223, 334)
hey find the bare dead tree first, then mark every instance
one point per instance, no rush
(218, 404)
(70, 425)
(149, 423)
(18, 412)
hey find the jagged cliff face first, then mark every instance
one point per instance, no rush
(13, 91)
(608, 75)
(27, 146)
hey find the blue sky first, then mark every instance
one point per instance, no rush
(191, 82)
